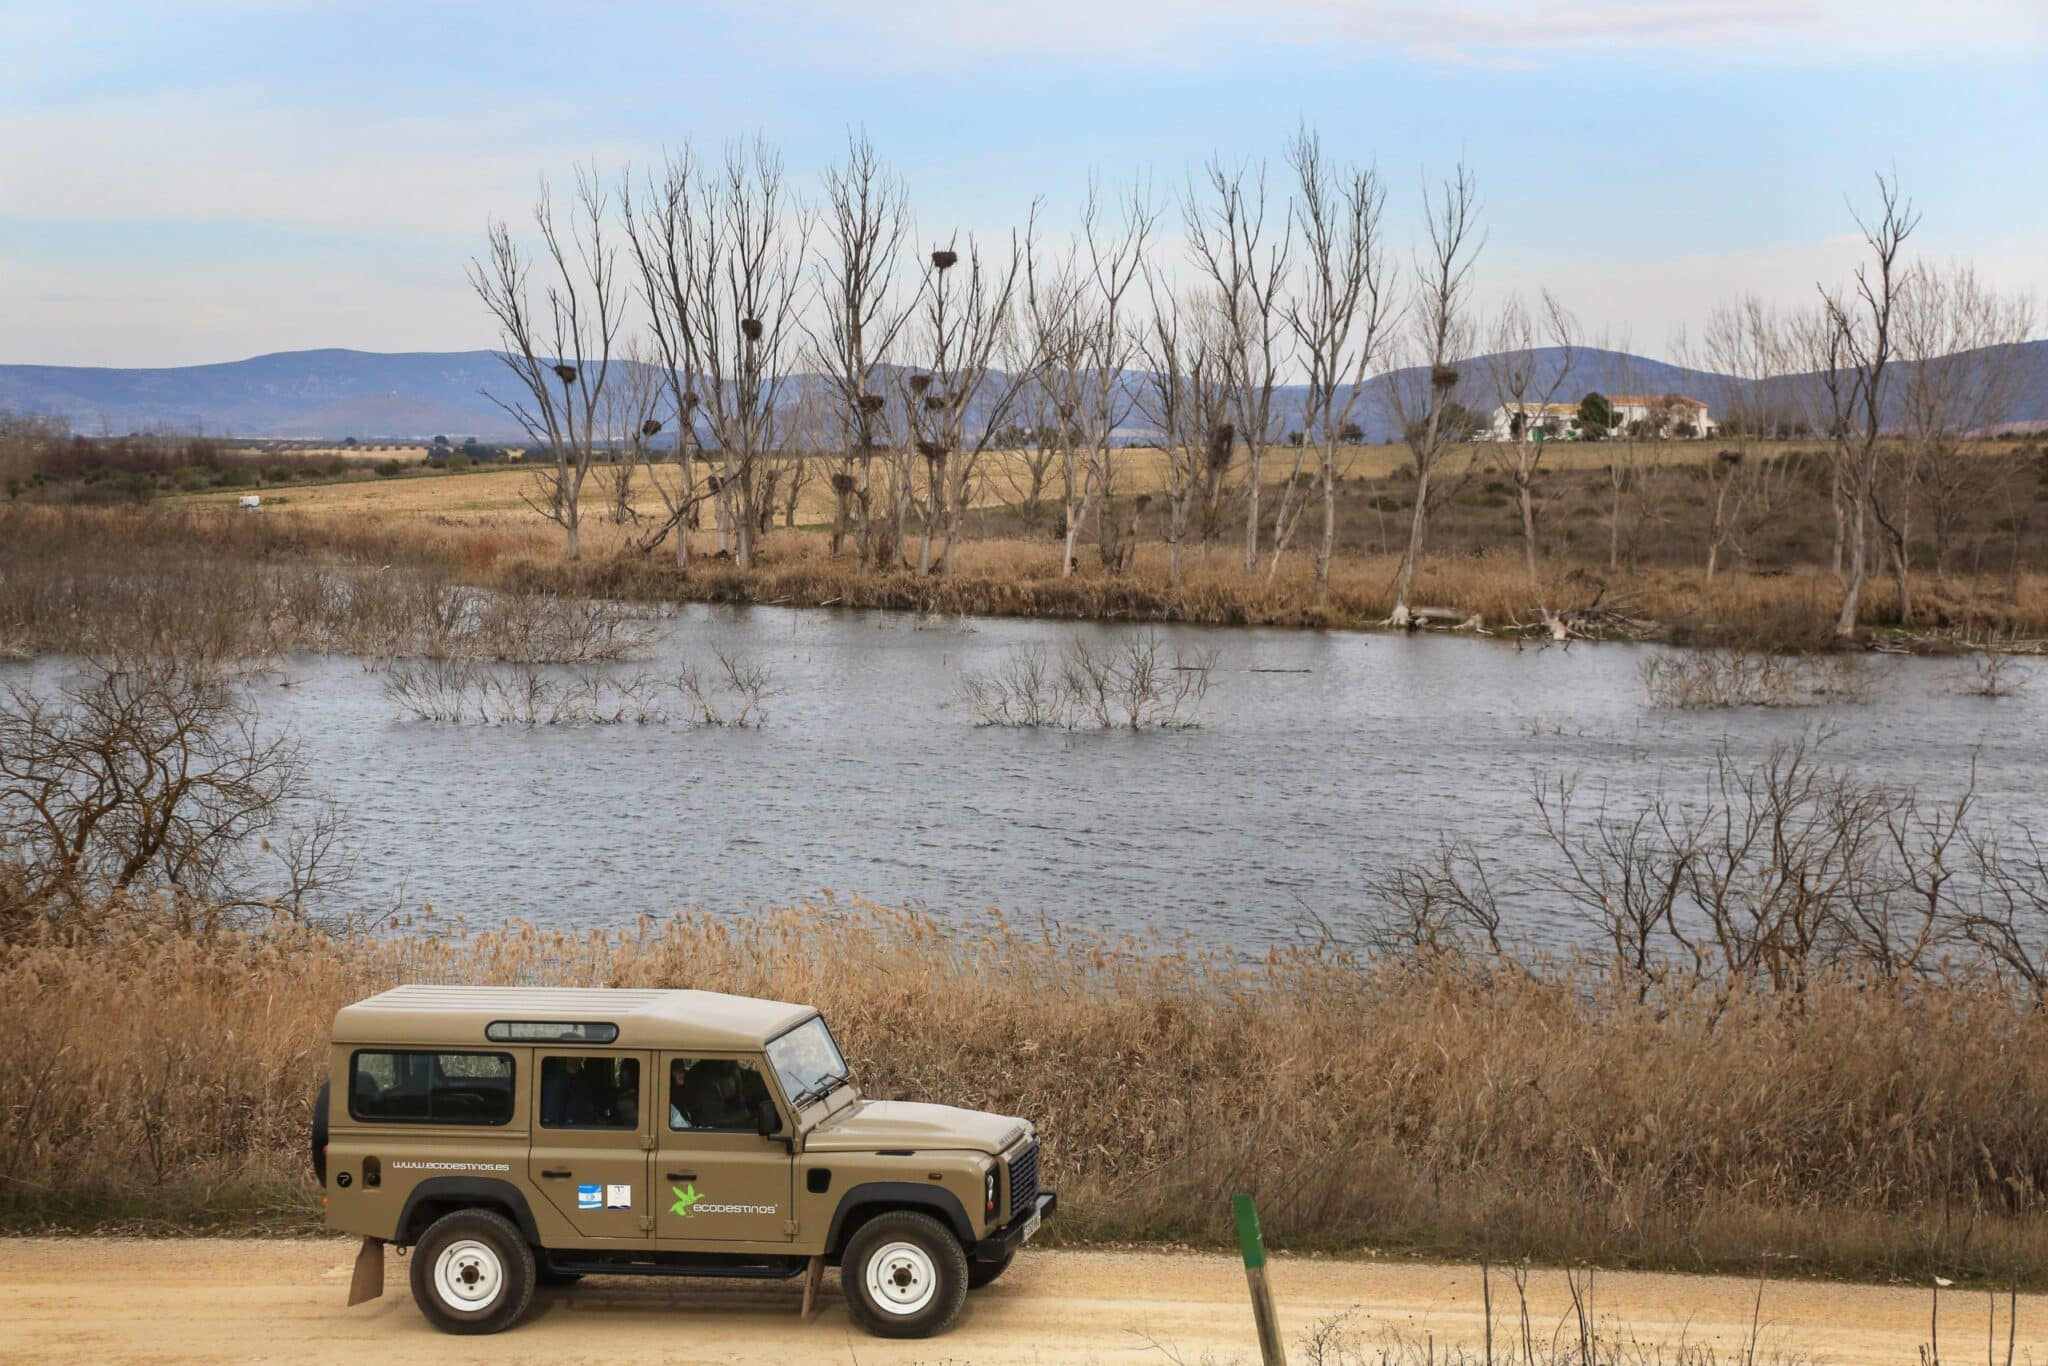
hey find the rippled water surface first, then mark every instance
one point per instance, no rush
(1324, 760)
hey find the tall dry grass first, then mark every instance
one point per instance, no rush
(1860, 1127)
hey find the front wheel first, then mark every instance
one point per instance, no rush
(905, 1275)
(472, 1273)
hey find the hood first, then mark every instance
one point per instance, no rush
(871, 1125)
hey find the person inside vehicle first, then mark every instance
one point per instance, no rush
(678, 1073)
(565, 1098)
(711, 1096)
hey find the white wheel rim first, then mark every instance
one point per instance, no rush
(468, 1275)
(901, 1278)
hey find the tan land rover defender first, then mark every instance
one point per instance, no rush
(515, 1136)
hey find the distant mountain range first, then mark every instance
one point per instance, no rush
(337, 393)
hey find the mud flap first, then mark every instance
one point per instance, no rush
(814, 1276)
(368, 1281)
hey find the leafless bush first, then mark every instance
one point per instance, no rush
(1131, 685)
(202, 608)
(1993, 675)
(736, 695)
(1787, 869)
(149, 781)
(467, 691)
(1693, 680)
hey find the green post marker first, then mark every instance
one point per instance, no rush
(1252, 1244)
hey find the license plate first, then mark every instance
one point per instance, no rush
(1030, 1227)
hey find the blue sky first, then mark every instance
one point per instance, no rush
(237, 178)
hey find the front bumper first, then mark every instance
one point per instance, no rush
(1007, 1239)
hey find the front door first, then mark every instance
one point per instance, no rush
(720, 1181)
(592, 1130)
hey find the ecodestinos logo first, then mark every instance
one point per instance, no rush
(687, 1198)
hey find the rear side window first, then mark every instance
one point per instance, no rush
(430, 1088)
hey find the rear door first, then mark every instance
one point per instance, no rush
(720, 1180)
(593, 1116)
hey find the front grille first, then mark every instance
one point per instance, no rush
(1024, 1179)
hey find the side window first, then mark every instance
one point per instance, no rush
(715, 1093)
(430, 1088)
(589, 1093)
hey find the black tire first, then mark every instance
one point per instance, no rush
(980, 1274)
(485, 1252)
(916, 1253)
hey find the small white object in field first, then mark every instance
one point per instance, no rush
(252, 501)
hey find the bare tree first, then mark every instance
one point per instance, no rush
(562, 357)
(1865, 338)
(1077, 311)
(1742, 348)
(664, 234)
(1524, 391)
(723, 252)
(152, 775)
(1337, 313)
(1439, 341)
(867, 219)
(960, 401)
(1027, 476)
(1245, 266)
(631, 400)
(1187, 397)
(1960, 376)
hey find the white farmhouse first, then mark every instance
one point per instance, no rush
(1655, 416)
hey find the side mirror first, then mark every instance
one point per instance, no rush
(767, 1121)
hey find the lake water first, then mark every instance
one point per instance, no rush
(1324, 760)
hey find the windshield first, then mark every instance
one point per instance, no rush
(808, 1061)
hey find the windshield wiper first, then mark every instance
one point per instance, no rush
(821, 1088)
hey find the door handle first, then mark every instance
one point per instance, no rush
(682, 1176)
(555, 1171)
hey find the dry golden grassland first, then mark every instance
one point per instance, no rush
(1865, 1128)
(1139, 470)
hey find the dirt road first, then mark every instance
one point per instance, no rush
(256, 1300)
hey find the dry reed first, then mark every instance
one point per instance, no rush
(1860, 1128)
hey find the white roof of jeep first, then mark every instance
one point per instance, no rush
(646, 1019)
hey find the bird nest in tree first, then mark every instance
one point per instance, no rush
(752, 327)
(871, 403)
(920, 383)
(690, 400)
(1443, 377)
(944, 259)
(566, 373)
(934, 402)
(932, 451)
(842, 483)
(650, 427)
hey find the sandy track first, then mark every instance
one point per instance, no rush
(119, 1300)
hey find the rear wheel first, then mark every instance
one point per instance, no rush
(980, 1274)
(472, 1273)
(905, 1275)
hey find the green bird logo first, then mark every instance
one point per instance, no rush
(686, 1200)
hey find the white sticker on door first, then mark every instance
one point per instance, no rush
(618, 1197)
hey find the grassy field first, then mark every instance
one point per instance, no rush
(482, 493)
